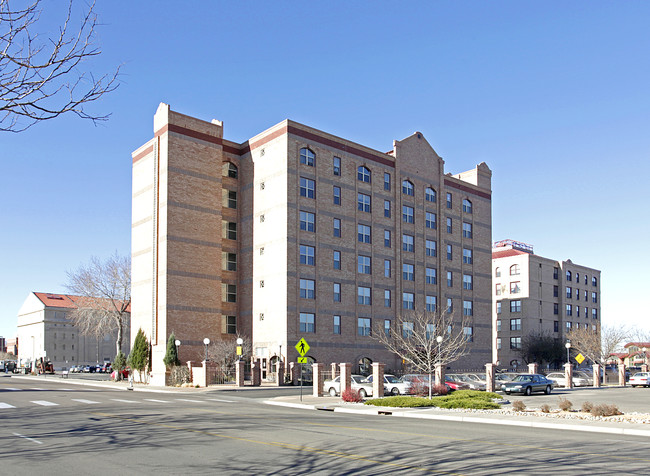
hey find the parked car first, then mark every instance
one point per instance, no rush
(358, 383)
(393, 385)
(473, 384)
(455, 384)
(527, 384)
(560, 380)
(501, 379)
(640, 379)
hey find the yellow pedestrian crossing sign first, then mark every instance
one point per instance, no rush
(580, 358)
(302, 347)
(302, 360)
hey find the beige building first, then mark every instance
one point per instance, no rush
(298, 233)
(45, 330)
(533, 295)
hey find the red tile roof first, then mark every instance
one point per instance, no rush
(69, 300)
(507, 253)
(640, 345)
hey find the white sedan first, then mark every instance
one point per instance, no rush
(393, 385)
(640, 379)
(560, 380)
(358, 383)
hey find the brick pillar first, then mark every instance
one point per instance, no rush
(621, 375)
(489, 377)
(256, 375)
(318, 379)
(346, 373)
(294, 370)
(378, 379)
(568, 375)
(597, 368)
(644, 368)
(533, 368)
(239, 373)
(279, 372)
(333, 366)
(439, 375)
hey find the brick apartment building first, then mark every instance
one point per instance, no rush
(299, 233)
(533, 295)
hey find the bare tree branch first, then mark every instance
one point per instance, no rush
(598, 345)
(42, 79)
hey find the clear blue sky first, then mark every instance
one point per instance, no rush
(554, 96)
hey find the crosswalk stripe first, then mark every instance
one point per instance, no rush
(154, 400)
(188, 400)
(44, 403)
(124, 401)
(13, 389)
(220, 400)
(6, 405)
(81, 400)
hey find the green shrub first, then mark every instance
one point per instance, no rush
(470, 399)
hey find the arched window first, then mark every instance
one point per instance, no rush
(497, 272)
(407, 188)
(228, 169)
(307, 156)
(514, 270)
(430, 195)
(363, 174)
(467, 206)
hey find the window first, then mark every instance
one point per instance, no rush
(497, 272)
(407, 188)
(467, 230)
(498, 325)
(387, 208)
(568, 292)
(468, 332)
(569, 311)
(568, 325)
(407, 214)
(363, 202)
(387, 298)
(408, 301)
(594, 281)
(498, 343)
(336, 166)
(363, 174)
(431, 303)
(449, 252)
(229, 170)
(363, 264)
(556, 291)
(514, 270)
(467, 206)
(228, 198)
(307, 156)
(468, 308)
(387, 327)
(556, 273)
(228, 292)
(556, 309)
(363, 296)
(307, 255)
(307, 221)
(450, 279)
(307, 188)
(430, 248)
(408, 272)
(568, 275)
(363, 326)
(386, 181)
(578, 311)
(514, 287)
(336, 195)
(467, 281)
(387, 267)
(408, 243)
(336, 322)
(515, 324)
(337, 227)
(449, 202)
(515, 306)
(431, 276)
(556, 326)
(467, 256)
(449, 225)
(430, 195)
(450, 305)
(499, 308)
(594, 297)
(228, 230)
(228, 261)
(337, 292)
(586, 296)
(336, 257)
(387, 238)
(363, 233)
(307, 289)
(431, 220)
(407, 329)
(594, 313)
(515, 343)
(307, 322)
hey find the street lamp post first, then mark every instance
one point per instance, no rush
(568, 347)
(178, 344)
(240, 341)
(439, 341)
(206, 342)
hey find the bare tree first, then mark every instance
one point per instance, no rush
(598, 346)
(541, 348)
(224, 352)
(102, 292)
(41, 79)
(414, 337)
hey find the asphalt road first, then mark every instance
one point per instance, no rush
(50, 428)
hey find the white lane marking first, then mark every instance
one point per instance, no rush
(188, 400)
(154, 400)
(124, 401)
(81, 400)
(38, 389)
(220, 400)
(65, 389)
(45, 403)
(6, 405)
(12, 389)
(28, 438)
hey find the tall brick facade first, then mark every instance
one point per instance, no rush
(289, 234)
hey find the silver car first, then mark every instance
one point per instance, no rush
(357, 382)
(393, 385)
(560, 380)
(640, 379)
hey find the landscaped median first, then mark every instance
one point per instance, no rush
(469, 399)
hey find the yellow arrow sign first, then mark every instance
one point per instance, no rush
(302, 360)
(580, 358)
(302, 347)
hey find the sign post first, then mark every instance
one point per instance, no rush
(302, 347)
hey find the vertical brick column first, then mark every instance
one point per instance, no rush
(489, 377)
(294, 370)
(279, 372)
(318, 379)
(533, 368)
(597, 368)
(256, 375)
(621, 375)
(346, 373)
(568, 375)
(439, 375)
(378, 379)
(239, 373)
